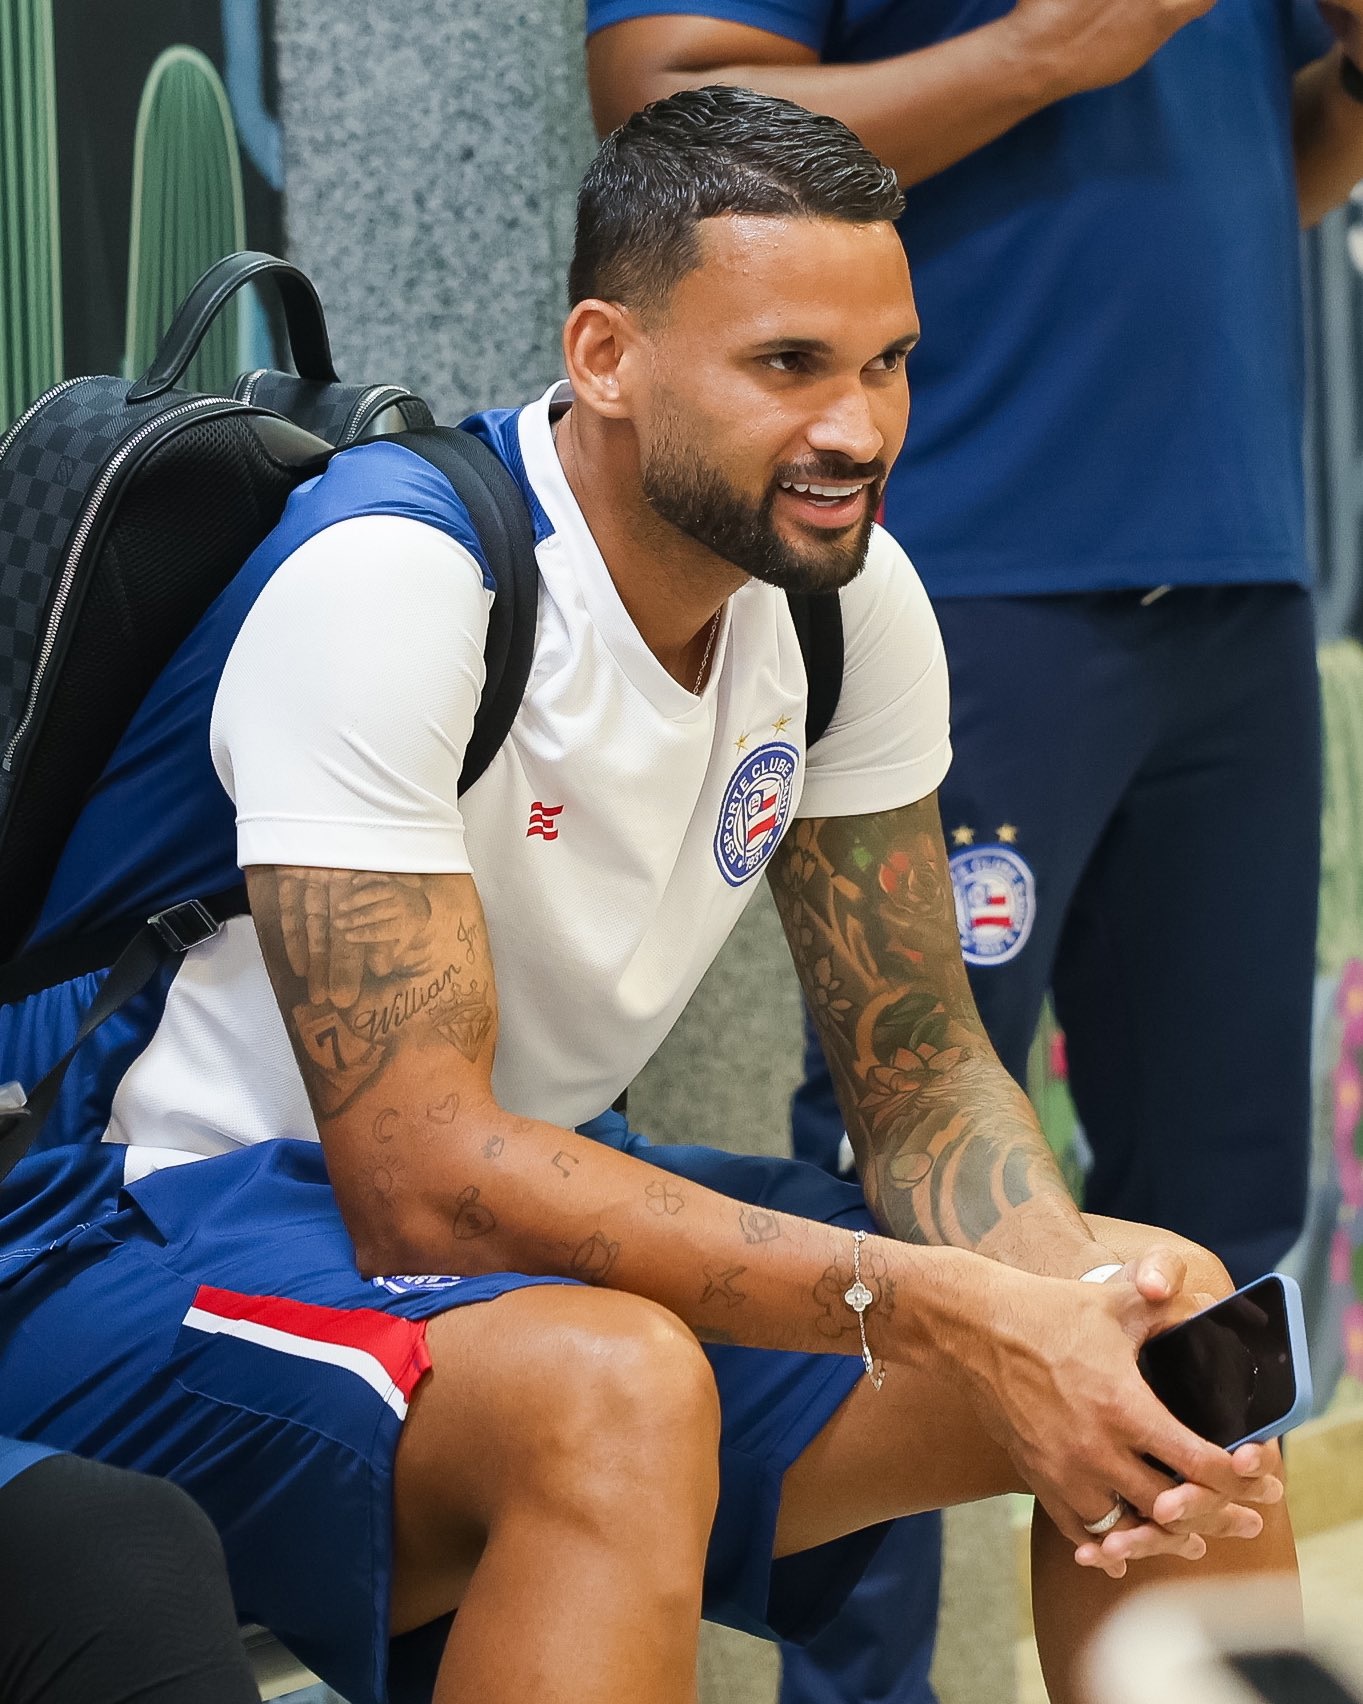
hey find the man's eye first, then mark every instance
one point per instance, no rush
(786, 360)
(890, 362)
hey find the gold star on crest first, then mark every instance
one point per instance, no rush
(963, 836)
(1007, 833)
(741, 743)
(780, 725)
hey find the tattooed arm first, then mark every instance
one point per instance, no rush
(947, 1145)
(387, 991)
(388, 995)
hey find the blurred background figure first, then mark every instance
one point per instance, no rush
(1103, 491)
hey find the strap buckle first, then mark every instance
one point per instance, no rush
(186, 925)
(13, 1107)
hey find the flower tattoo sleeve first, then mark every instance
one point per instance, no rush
(946, 1143)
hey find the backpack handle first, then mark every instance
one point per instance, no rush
(307, 326)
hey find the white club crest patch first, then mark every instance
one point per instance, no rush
(413, 1283)
(995, 902)
(756, 808)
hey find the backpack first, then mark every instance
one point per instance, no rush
(125, 510)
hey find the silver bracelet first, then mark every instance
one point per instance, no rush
(859, 1298)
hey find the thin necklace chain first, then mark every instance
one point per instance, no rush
(709, 646)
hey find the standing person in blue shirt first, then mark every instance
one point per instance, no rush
(1103, 495)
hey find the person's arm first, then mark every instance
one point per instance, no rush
(386, 986)
(919, 112)
(1327, 123)
(947, 1144)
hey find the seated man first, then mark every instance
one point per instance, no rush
(697, 1382)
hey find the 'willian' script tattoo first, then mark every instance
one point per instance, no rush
(947, 1144)
(363, 960)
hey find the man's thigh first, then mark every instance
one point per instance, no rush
(217, 1334)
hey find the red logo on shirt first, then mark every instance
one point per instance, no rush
(544, 820)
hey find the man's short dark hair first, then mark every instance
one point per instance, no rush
(701, 154)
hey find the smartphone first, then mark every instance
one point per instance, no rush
(1238, 1371)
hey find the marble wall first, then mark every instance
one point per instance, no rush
(432, 153)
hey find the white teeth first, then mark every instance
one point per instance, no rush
(822, 490)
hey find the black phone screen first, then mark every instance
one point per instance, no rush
(1226, 1372)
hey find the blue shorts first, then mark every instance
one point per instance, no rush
(207, 1324)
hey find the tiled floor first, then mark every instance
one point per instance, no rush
(1332, 1590)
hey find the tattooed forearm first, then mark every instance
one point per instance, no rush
(367, 965)
(758, 1225)
(565, 1163)
(594, 1259)
(471, 1217)
(661, 1198)
(723, 1286)
(947, 1143)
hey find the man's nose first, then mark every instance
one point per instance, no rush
(846, 426)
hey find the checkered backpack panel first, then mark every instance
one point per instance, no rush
(50, 463)
(119, 525)
(340, 414)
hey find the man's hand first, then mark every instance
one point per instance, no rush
(1088, 45)
(1050, 1367)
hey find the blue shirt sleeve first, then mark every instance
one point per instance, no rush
(805, 21)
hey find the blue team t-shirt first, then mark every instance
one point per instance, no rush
(1108, 392)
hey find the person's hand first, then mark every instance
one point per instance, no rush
(1091, 44)
(1051, 1368)
(339, 924)
(1345, 18)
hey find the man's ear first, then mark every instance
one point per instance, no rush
(601, 350)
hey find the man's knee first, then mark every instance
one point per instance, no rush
(578, 1397)
(614, 1394)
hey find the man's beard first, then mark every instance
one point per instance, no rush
(700, 502)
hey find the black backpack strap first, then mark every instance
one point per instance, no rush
(165, 936)
(501, 518)
(818, 627)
